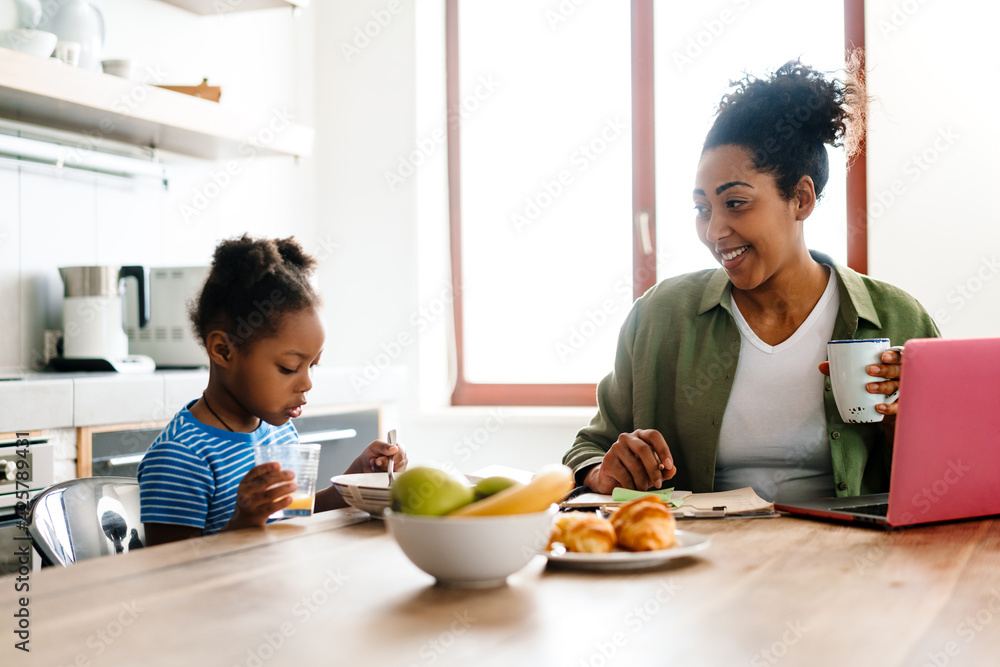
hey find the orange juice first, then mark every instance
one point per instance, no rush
(302, 505)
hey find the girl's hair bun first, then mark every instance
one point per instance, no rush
(251, 285)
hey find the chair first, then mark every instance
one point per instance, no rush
(86, 518)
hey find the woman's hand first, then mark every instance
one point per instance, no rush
(375, 458)
(259, 493)
(888, 371)
(633, 462)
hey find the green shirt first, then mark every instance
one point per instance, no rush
(675, 364)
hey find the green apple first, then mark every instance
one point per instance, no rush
(429, 491)
(490, 485)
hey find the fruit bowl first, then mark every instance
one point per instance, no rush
(471, 552)
(366, 491)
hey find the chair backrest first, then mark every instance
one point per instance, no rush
(86, 518)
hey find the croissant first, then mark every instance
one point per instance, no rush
(645, 524)
(583, 532)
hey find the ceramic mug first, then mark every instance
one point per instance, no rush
(68, 52)
(849, 362)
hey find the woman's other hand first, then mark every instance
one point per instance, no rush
(633, 462)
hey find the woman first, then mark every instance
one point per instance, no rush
(715, 384)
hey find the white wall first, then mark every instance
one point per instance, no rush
(264, 62)
(933, 141)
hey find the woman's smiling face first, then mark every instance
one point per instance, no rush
(743, 219)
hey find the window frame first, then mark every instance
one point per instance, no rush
(467, 393)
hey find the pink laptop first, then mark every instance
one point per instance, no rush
(946, 457)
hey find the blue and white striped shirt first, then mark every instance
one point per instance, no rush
(191, 472)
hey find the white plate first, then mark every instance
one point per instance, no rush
(687, 544)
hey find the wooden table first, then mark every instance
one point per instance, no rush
(328, 590)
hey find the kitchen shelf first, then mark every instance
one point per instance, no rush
(206, 7)
(43, 91)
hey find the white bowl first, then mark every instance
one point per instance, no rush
(35, 42)
(367, 491)
(123, 68)
(471, 552)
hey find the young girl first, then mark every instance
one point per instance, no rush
(257, 318)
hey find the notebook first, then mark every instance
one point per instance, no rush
(738, 502)
(946, 455)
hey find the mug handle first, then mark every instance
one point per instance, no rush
(891, 398)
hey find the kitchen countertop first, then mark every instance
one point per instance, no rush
(328, 590)
(47, 400)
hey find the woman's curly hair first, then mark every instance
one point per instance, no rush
(785, 121)
(252, 284)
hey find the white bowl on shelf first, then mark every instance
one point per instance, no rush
(34, 42)
(122, 67)
(471, 552)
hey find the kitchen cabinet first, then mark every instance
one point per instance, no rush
(206, 7)
(114, 449)
(46, 92)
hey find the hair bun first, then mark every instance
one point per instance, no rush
(798, 98)
(292, 253)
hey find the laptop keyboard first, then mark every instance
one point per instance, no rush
(878, 509)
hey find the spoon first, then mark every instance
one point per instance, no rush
(392, 442)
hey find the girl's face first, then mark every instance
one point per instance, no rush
(270, 378)
(743, 219)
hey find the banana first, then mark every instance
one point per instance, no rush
(549, 486)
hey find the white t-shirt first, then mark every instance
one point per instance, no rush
(773, 436)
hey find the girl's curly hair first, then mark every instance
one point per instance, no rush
(251, 285)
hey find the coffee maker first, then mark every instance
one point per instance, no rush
(94, 336)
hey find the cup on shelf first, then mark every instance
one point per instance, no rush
(68, 52)
(123, 67)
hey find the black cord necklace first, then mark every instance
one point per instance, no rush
(214, 413)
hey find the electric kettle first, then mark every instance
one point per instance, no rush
(77, 21)
(93, 319)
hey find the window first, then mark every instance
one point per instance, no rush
(559, 215)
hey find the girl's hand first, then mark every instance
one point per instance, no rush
(375, 458)
(889, 371)
(259, 493)
(633, 462)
